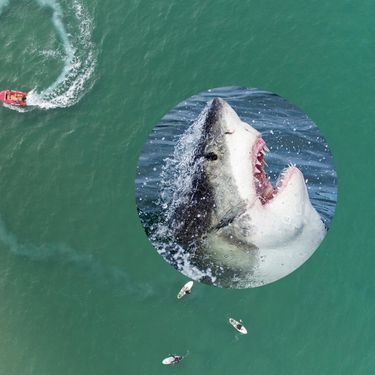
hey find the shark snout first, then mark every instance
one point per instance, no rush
(226, 119)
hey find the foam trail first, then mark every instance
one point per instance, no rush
(79, 62)
(78, 57)
(107, 276)
(68, 48)
(15, 108)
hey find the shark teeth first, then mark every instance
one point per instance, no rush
(281, 179)
(264, 188)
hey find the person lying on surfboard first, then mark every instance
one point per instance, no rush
(172, 359)
(186, 289)
(238, 326)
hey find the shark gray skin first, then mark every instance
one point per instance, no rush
(234, 222)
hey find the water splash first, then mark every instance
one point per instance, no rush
(15, 108)
(176, 186)
(178, 170)
(79, 57)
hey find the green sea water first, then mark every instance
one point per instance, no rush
(82, 291)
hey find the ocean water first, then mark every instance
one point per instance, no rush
(82, 290)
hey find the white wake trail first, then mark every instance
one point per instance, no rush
(79, 58)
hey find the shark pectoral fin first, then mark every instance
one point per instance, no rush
(230, 215)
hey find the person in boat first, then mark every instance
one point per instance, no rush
(24, 98)
(187, 291)
(13, 96)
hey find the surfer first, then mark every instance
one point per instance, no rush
(172, 359)
(186, 289)
(177, 358)
(238, 326)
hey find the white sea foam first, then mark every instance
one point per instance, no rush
(15, 108)
(176, 186)
(178, 171)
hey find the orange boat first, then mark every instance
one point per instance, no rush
(13, 97)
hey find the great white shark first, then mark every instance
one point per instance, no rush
(234, 222)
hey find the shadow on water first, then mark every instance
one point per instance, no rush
(113, 278)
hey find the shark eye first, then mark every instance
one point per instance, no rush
(211, 156)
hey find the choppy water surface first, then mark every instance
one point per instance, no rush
(164, 169)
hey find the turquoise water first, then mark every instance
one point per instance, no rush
(82, 290)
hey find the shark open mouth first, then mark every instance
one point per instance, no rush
(264, 189)
(263, 186)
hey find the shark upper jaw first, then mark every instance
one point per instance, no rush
(246, 151)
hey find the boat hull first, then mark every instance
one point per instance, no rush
(11, 97)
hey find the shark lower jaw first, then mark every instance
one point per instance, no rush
(264, 189)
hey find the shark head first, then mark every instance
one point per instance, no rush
(250, 224)
(234, 164)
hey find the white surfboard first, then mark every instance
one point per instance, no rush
(185, 289)
(238, 326)
(171, 360)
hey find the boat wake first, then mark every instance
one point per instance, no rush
(74, 29)
(15, 108)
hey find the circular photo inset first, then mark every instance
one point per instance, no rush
(236, 187)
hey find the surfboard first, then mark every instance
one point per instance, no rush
(171, 360)
(234, 323)
(186, 288)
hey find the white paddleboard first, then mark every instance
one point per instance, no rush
(186, 288)
(171, 360)
(234, 323)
